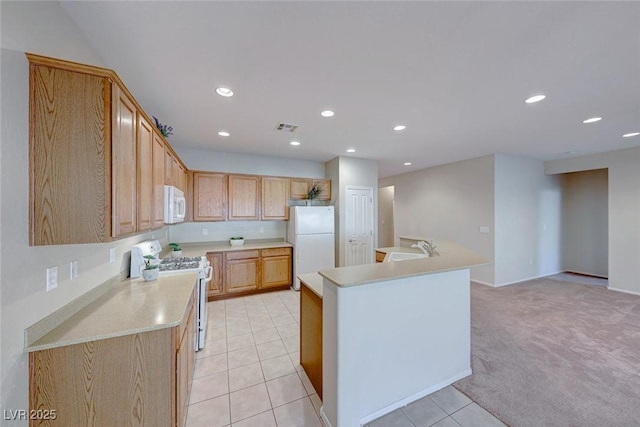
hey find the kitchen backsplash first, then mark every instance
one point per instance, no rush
(218, 231)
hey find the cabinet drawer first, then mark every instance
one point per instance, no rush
(242, 255)
(276, 252)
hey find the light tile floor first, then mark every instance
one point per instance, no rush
(249, 374)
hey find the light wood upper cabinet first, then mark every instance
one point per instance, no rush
(158, 181)
(209, 196)
(145, 175)
(300, 187)
(124, 163)
(244, 197)
(275, 198)
(69, 159)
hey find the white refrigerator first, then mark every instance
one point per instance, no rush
(310, 231)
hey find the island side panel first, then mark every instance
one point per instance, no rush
(394, 342)
(311, 336)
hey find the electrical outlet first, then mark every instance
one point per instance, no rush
(73, 269)
(112, 255)
(205, 231)
(52, 278)
(484, 229)
(530, 261)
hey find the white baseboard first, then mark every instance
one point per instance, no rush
(483, 283)
(625, 291)
(324, 419)
(528, 278)
(404, 402)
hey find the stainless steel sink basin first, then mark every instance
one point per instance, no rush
(402, 256)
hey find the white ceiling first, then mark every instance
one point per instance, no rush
(456, 73)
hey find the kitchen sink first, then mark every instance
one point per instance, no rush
(402, 256)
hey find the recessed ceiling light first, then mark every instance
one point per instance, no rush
(351, 150)
(224, 91)
(629, 135)
(407, 163)
(223, 133)
(327, 113)
(592, 120)
(399, 127)
(535, 98)
(295, 143)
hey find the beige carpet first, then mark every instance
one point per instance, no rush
(552, 353)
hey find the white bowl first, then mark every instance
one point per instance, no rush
(236, 242)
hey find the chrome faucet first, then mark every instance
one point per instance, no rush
(429, 248)
(422, 245)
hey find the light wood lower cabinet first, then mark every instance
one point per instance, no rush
(242, 271)
(247, 271)
(216, 260)
(133, 380)
(276, 267)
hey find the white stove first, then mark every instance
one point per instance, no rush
(177, 265)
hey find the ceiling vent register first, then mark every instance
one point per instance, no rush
(286, 127)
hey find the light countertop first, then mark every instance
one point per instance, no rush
(201, 248)
(313, 281)
(452, 257)
(128, 307)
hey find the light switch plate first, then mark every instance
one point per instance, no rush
(484, 229)
(52, 278)
(205, 231)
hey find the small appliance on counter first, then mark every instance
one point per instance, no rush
(177, 265)
(310, 230)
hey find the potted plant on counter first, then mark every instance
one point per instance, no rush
(176, 250)
(151, 269)
(236, 241)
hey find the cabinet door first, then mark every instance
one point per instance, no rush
(176, 172)
(209, 196)
(184, 367)
(275, 198)
(299, 188)
(145, 174)
(158, 182)
(168, 167)
(242, 272)
(276, 270)
(215, 285)
(69, 165)
(244, 203)
(124, 164)
(325, 184)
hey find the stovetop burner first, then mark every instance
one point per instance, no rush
(182, 263)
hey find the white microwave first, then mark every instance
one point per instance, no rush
(174, 205)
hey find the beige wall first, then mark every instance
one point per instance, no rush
(585, 222)
(527, 220)
(449, 202)
(624, 211)
(351, 171)
(385, 216)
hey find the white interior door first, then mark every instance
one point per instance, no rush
(359, 226)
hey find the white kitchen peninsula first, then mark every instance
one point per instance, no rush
(394, 332)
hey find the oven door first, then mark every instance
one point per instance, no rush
(201, 332)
